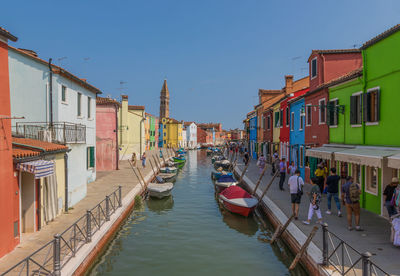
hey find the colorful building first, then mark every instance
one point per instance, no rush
(9, 228)
(151, 130)
(297, 135)
(107, 149)
(253, 149)
(171, 133)
(191, 134)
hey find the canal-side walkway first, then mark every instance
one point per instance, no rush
(105, 184)
(375, 238)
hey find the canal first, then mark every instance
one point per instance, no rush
(189, 234)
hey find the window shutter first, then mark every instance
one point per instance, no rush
(87, 158)
(365, 107)
(378, 105)
(359, 109)
(335, 110)
(353, 109)
(330, 114)
(92, 158)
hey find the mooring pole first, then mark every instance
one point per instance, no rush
(152, 168)
(303, 248)
(268, 186)
(141, 175)
(140, 181)
(280, 229)
(259, 179)
(243, 172)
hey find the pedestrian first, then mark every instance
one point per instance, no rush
(275, 162)
(144, 160)
(133, 159)
(261, 162)
(332, 188)
(315, 199)
(292, 168)
(282, 170)
(296, 184)
(320, 175)
(388, 193)
(351, 199)
(246, 157)
(161, 154)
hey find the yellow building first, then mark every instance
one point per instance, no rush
(131, 134)
(277, 121)
(172, 132)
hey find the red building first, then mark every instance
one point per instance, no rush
(106, 134)
(9, 200)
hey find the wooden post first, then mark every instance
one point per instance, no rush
(280, 229)
(133, 169)
(157, 164)
(152, 168)
(243, 172)
(259, 179)
(140, 173)
(268, 186)
(303, 248)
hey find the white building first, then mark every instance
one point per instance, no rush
(191, 134)
(58, 107)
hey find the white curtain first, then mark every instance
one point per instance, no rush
(50, 206)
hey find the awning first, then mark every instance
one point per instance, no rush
(324, 152)
(394, 161)
(365, 156)
(40, 168)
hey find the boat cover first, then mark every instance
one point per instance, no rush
(235, 192)
(226, 178)
(159, 179)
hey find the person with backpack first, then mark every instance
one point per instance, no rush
(351, 199)
(315, 200)
(296, 184)
(388, 193)
(332, 187)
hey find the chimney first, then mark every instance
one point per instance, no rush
(289, 84)
(124, 120)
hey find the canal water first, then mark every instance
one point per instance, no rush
(190, 234)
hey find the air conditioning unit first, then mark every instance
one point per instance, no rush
(44, 135)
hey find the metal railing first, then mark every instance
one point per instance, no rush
(54, 255)
(344, 259)
(61, 132)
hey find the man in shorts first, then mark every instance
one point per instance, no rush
(296, 184)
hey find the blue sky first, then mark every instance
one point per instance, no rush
(216, 54)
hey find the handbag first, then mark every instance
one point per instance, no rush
(299, 190)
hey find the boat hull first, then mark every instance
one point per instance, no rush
(240, 210)
(159, 195)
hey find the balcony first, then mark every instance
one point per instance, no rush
(60, 132)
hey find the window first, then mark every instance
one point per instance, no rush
(314, 68)
(263, 122)
(333, 115)
(308, 115)
(269, 122)
(281, 118)
(356, 109)
(89, 101)
(301, 157)
(287, 116)
(63, 94)
(302, 119)
(292, 121)
(277, 119)
(322, 111)
(356, 168)
(90, 157)
(372, 180)
(79, 104)
(371, 105)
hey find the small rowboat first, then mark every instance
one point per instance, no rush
(160, 190)
(167, 177)
(217, 175)
(225, 181)
(224, 164)
(179, 159)
(237, 200)
(168, 170)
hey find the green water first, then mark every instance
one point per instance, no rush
(189, 234)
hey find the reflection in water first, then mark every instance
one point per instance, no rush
(160, 205)
(247, 226)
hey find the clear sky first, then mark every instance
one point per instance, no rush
(215, 54)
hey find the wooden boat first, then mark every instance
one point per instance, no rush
(217, 175)
(225, 181)
(160, 190)
(169, 169)
(168, 177)
(179, 159)
(237, 200)
(224, 164)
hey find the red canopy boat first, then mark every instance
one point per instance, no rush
(237, 200)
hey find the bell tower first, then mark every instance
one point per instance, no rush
(164, 101)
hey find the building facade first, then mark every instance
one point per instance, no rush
(297, 133)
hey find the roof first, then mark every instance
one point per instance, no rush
(149, 115)
(266, 91)
(57, 69)
(25, 147)
(105, 101)
(172, 120)
(268, 104)
(7, 34)
(349, 76)
(188, 123)
(334, 51)
(135, 107)
(381, 36)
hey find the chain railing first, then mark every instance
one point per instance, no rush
(54, 255)
(344, 259)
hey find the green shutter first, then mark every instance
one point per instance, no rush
(92, 157)
(353, 110)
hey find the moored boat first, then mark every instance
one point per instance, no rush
(225, 181)
(237, 200)
(217, 175)
(160, 190)
(224, 164)
(168, 169)
(167, 177)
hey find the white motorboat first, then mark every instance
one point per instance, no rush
(160, 190)
(168, 169)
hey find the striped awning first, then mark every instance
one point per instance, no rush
(40, 168)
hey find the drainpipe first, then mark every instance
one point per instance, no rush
(51, 92)
(66, 181)
(364, 85)
(116, 136)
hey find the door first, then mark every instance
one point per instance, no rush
(37, 204)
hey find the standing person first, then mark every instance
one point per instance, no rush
(296, 184)
(246, 157)
(319, 174)
(332, 186)
(274, 158)
(315, 199)
(351, 199)
(144, 160)
(133, 159)
(292, 169)
(282, 170)
(161, 154)
(261, 162)
(388, 193)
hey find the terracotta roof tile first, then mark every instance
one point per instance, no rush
(32, 144)
(105, 101)
(135, 107)
(7, 34)
(381, 36)
(350, 75)
(21, 152)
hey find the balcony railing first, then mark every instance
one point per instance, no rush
(60, 132)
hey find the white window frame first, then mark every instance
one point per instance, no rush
(361, 106)
(302, 115)
(89, 107)
(79, 105)
(319, 113)
(369, 90)
(66, 97)
(306, 122)
(292, 121)
(368, 171)
(287, 117)
(333, 100)
(316, 68)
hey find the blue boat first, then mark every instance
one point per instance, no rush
(217, 175)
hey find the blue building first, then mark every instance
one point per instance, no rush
(297, 137)
(253, 135)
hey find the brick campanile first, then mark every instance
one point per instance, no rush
(164, 101)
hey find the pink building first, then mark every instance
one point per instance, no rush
(106, 134)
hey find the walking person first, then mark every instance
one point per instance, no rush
(315, 199)
(351, 199)
(246, 157)
(332, 187)
(320, 176)
(282, 170)
(275, 160)
(296, 184)
(388, 193)
(133, 159)
(261, 162)
(144, 160)
(292, 169)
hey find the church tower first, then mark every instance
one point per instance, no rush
(164, 101)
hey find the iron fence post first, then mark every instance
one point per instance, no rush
(325, 244)
(88, 226)
(366, 265)
(120, 196)
(56, 256)
(107, 208)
